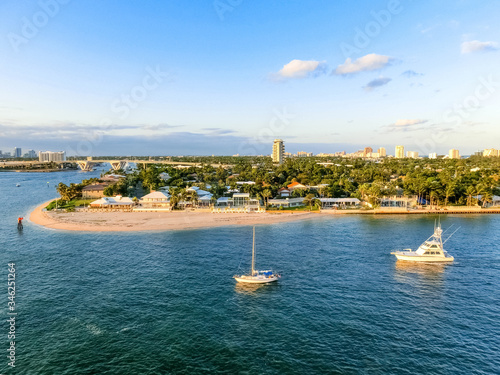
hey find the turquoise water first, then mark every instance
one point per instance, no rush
(166, 303)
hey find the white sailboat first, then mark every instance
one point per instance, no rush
(431, 250)
(256, 277)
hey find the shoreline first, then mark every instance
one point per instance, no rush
(153, 221)
(178, 220)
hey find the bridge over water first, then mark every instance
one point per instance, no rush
(89, 164)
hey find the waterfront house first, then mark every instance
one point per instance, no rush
(239, 202)
(113, 203)
(286, 203)
(339, 202)
(399, 202)
(155, 199)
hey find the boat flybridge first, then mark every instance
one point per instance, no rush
(255, 276)
(431, 250)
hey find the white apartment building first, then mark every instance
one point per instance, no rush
(47, 156)
(278, 151)
(400, 152)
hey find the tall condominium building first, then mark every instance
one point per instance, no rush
(400, 152)
(17, 152)
(278, 151)
(491, 152)
(454, 154)
(51, 156)
(433, 155)
(367, 151)
(412, 154)
(381, 152)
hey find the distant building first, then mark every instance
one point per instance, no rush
(433, 155)
(454, 154)
(367, 151)
(47, 156)
(303, 154)
(17, 152)
(278, 151)
(400, 152)
(31, 154)
(412, 154)
(381, 152)
(491, 152)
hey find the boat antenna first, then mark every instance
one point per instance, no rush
(451, 235)
(253, 252)
(451, 226)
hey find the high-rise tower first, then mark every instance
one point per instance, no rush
(278, 151)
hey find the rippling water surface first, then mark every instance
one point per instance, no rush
(165, 302)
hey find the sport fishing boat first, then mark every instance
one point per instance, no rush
(255, 276)
(431, 250)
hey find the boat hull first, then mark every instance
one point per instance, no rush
(256, 280)
(423, 258)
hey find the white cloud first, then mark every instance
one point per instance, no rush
(409, 122)
(405, 125)
(477, 46)
(301, 69)
(363, 64)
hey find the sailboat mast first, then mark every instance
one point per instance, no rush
(253, 252)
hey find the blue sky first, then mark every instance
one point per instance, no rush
(229, 76)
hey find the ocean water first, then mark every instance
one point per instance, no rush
(166, 303)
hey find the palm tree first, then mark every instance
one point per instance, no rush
(363, 189)
(470, 192)
(449, 191)
(310, 199)
(486, 198)
(266, 194)
(434, 197)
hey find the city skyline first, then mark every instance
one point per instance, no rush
(202, 79)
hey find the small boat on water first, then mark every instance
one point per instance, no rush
(255, 276)
(431, 250)
(17, 185)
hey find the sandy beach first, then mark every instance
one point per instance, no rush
(153, 221)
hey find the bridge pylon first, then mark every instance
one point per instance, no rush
(86, 165)
(118, 164)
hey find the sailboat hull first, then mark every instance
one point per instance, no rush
(255, 279)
